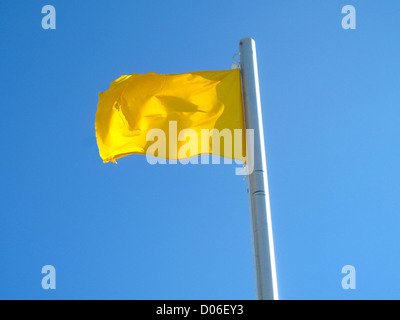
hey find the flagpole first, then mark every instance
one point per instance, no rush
(260, 212)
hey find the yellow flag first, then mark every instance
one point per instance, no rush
(184, 107)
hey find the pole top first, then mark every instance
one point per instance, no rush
(246, 40)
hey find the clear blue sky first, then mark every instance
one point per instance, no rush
(331, 110)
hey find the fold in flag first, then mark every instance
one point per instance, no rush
(138, 103)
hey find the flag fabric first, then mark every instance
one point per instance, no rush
(137, 103)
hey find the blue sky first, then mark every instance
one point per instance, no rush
(134, 231)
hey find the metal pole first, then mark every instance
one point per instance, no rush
(260, 212)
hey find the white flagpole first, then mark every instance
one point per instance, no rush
(260, 212)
